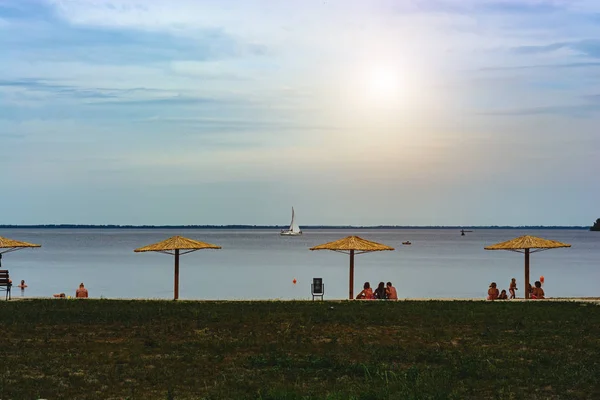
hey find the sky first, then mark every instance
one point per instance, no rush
(355, 112)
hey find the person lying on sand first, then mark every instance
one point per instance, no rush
(493, 292)
(503, 295)
(59, 295)
(512, 288)
(391, 291)
(538, 292)
(366, 293)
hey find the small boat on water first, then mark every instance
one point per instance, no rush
(294, 229)
(406, 243)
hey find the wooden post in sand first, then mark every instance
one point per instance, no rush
(351, 291)
(526, 273)
(172, 246)
(176, 289)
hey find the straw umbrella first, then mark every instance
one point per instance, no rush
(527, 245)
(8, 245)
(177, 245)
(352, 245)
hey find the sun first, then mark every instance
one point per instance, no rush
(383, 83)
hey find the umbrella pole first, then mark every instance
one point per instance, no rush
(526, 273)
(351, 291)
(176, 289)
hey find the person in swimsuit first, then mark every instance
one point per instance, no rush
(538, 292)
(380, 293)
(82, 292)
(22, 285)
(503, 295)
(391, 291)
(512, 288)
(493, 292)
(366, 293)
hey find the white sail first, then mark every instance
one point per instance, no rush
(294, 229)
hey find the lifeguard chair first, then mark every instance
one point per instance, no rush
(317, 288)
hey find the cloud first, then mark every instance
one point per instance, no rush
(539, 49)
(543, 66)
(69, 91)
(571, 111)
(595, 98)
(165, 101)
(54, 42)
(214, 70)
(589, 47)
(26, 10)
(38, 28)
(532, 7)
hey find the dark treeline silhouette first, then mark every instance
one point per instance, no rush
(85, 226)
(596, 226)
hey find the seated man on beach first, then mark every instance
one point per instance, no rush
(82, 292)
(366, 293)
(391, 291)
(493, 292)
(503, 295)
(538, 292)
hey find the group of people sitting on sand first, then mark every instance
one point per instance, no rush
(383, 292)
(81, 293)
(534, 292)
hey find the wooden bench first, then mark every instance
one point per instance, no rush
(5, 283)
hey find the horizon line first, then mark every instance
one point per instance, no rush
(248, 226)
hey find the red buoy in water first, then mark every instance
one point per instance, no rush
(294, 281)
(542, 279)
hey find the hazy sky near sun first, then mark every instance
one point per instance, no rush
(407, 112)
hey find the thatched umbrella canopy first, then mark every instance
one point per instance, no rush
(8, 245)
(174, 246)
(527, 244)
(352, 245)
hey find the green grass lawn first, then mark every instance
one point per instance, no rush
(103, 349)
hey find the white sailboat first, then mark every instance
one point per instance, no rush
(294, 229)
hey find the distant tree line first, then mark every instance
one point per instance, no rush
(596, 226)
(88, 226)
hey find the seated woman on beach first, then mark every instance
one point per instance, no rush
(82, 292)
(493, 292)
(512, 288)
(538, 292)
(22, 285)
(366, 293)
(503, 295)
(390, 291)
(380, 293)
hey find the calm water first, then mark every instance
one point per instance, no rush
(261, 265)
